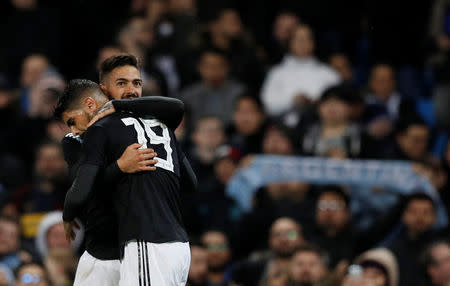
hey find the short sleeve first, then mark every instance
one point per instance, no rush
(94, 146)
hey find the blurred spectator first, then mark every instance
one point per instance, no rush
(207, 136)
(11, 168)
(44, 94)
(215, 94)
(440, 36)
(155, 10)
(226, 33)
(60, 265)
(219, 257)
(9, 242)
(285, 237)
(300, 78)
(216, 209)
(26, 37)
(175, 33)
(412, 137)
(308, 266)
(436, 261)
(226, 163)
(136, 38)
(6, 276)
(249, 123)
(198, 271)
(384, 104)
(32, 273)
(47, 191)
(33, 68)
(342, 66)
(334, 232)
(374, 267)
(103, 53)
(418, 219)
(285, 23)
(278, 140)
(51, 235)
(335, 135)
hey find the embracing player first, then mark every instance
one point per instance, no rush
(99, 265)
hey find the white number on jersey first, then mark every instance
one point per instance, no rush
(155, 139)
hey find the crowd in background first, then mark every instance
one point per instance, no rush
(333, 79)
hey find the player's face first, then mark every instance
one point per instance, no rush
(123, 83)
(77, 120)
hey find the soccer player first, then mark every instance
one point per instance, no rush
(151, 232)
(99, 265)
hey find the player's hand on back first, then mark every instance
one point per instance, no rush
(105, 110)
(135, 160)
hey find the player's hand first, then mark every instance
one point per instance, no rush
(105, 110)
(69, 231)
(135, 160)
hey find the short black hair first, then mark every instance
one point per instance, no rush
(116, 61)
(323, 255)
(248, 95)
(73, 91)
(215, 51)
(341, 92)
(419, 196)
(335, 190)
(403, 124)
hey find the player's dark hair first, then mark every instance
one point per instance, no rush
(334, 189)
(116, 61)
(73, 91)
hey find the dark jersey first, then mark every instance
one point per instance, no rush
(147, 203)
(95, 209)
(99, 219)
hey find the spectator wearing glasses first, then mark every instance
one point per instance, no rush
(31, 274)
(418, 217)
(219, 257)
(334, 232)
(285, 237)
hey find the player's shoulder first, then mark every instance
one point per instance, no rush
(108, 120)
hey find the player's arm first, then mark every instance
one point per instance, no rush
(168, 110)
(71, 146)
(78, 194)
(188, 180)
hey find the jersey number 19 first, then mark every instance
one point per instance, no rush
(155, 139)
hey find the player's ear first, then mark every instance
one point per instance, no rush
(90, 104)
(103, 88)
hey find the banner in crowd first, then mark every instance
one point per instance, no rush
(362, 176)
